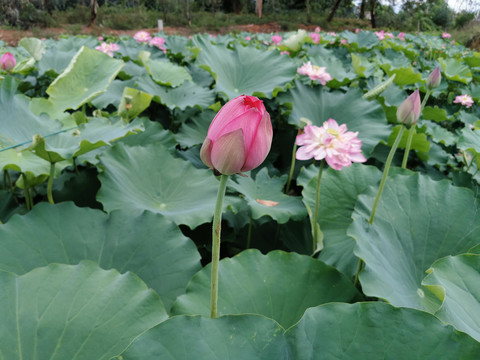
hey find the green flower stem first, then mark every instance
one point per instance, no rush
(50, 183)
(27, 193)
(292, 165)
(249, 235)
(359, 267)
(317, 205)
(385, 173)
(217, 225)
(412, 132)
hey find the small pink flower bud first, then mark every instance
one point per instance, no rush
(434, 79)
(239, 137)
(7, 61)
(409, 111)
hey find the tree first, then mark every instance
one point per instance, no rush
(334, 9)
(93, 14)
(362, 9)
(258, 8)
(373, 4)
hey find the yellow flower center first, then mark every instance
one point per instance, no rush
(333, 132)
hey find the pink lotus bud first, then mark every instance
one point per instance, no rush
(239, 137)
(409, 111)
(277, 39)
(434, 79)
(7, 61)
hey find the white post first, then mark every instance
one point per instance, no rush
(160, 25)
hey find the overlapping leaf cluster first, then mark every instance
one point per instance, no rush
(118, 266)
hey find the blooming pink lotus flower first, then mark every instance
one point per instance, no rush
(401, 36)
(285, 52)
(409, 111)
(7, 61)
(380, 34)
(277, 39)
(317, 29)
(100, 38)
(357, 30)
(344, 42)
(108, 49)
(315, 73)
(158, 42)
(142, 37)
(239, 137)
(464, 100)
(248, 38)
(331, 142)
(389, 35)
(315, 37)
(446, 35)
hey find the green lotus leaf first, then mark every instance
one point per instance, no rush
(318, 105)
(96, 133)
(186, 95)
(238, 337)
(35, 47)
(362, 40)
(404, 75)
(74, 312)
(19, 124)
(265, 197)
(284, 286)
(149, 178)
(327, 58)
(362, 66)
(434, 113)
(338, 194)
(455, 69)
(167, 73)
(133, 103)
(58, 54)
(469, 140)
(418, 220)
(376, 331)
(88, 75)
(113, 95)
(194, 131)
(455, 279)
(245, 70)
(439, 134)
(146, 244)
(419, 140)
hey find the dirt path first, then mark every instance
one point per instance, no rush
(11, 37)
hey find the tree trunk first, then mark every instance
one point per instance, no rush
(188, 14)
(334, 9)
(309, 14)
(373, 3)
(362, 9)
(93, 14)
(258, 8)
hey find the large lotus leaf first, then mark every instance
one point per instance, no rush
(35, 47)
(284, 286)
(113, 94)
(25, 162)
(96, 133)
(318, 105)
(146, 244)
(149, 178)
(18, 123)
(88, 75)
(167, 73)
(246, 70)
(455, 280)
(362, 40)
(454, 69)
(434, 113)
(186, 95)
(194, 131)
(469, 140)
(403, 76)
(239, 337)
(58, 54)
(338, 194)
(133, 103)
(376, 331)
(265, 197)
(418, 220)
(439, 134)
(362, 66)
(74, 312)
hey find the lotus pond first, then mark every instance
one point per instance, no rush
(106, 206)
